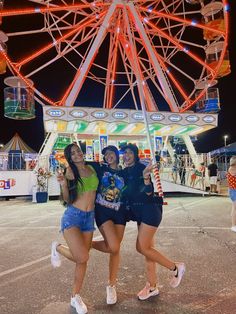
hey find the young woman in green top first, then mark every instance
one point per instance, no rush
(78, 186)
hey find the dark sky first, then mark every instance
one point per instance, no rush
(32, 131)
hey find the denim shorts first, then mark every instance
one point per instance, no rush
(232, 195)
(150, 213)
(103, 214)
(75, 217)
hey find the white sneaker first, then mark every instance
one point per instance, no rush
(147, 292)
(175, 281)
(111, 295)
(55, 256)
(77, 303)
(233, 228)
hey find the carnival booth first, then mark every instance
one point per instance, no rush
(17, 160)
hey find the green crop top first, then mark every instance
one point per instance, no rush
(89, 183)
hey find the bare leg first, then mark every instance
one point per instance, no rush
(151, 272)
(211, 188)
(113, 235)
(144, 246)
(65, 251)
(79, 244)
(151, 269)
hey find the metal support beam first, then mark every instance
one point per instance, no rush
(90, 57)
(151, 53)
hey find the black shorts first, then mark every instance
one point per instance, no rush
(103, 214)
(150, 213)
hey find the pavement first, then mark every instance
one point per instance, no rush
(194, 229)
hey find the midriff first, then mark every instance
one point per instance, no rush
(85, 201)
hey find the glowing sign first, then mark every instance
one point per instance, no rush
(137, 116)
(119, 115)
(175, 118)
(157, 117)
(55, 113)
(208, 119)
(192, 118)
(77, 113)
(99, 114)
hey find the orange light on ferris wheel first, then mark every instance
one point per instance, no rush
(23, 78)
(114, 65)
(181, 47)
(57, 41)
(185, 21)
(28, 11)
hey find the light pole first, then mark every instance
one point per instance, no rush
(225, 142)
(225, 139)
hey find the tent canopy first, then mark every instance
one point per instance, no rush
(16, 143)
(229, 150)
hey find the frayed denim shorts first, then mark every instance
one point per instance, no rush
(75, 217)
(232, 195)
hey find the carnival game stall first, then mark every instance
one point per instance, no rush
(17, 162)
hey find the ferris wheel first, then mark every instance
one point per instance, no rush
(103, 53)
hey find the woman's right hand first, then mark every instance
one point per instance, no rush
(60, 177)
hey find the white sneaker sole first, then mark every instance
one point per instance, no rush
(111, 302)
(152, 294)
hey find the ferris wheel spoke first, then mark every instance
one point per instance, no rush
(68, 48)
(180, 47)
(112, 65)
(38, 10)
(158, 71)
(183, 21)
(128, 73)
(139, 73)
(74, 91)
(43, 50)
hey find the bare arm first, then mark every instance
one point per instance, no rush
(61, 178)
(147, 178)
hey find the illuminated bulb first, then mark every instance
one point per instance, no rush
(194, 22)
(226, 7)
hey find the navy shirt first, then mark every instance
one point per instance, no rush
(135, 187)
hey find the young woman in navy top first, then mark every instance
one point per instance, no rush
(144, 209)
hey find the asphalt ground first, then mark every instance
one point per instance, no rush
(195, 230)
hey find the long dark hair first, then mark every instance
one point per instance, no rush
(72, 184)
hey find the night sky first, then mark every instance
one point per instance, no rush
(32, 131)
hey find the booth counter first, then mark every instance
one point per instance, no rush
(16, 183)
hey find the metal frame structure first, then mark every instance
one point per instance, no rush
(114, 44)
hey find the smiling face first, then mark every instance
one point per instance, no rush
(110, 157)
(76, 154)
(129, 158)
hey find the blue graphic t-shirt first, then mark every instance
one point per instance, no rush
(111, 187)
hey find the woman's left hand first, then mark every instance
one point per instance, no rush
(147, 171)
